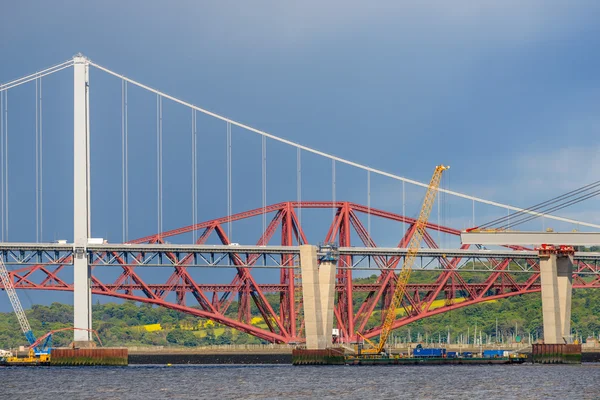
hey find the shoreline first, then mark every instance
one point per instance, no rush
(225, 358)
(213, 359)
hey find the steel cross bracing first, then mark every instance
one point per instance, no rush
(222, 256)
(47, 267)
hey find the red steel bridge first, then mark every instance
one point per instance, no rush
(509, 272)
(227, 282)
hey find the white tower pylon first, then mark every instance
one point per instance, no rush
(81, 201)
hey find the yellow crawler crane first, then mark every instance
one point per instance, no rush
(413, 249)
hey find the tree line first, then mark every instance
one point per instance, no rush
(124, 324)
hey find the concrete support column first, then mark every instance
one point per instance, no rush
(327, 294)
(313, 321)
(564, 267)
(82, 292)
(318, 293)
(550, 302)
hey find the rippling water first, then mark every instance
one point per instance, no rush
(277, 382)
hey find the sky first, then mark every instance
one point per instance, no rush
(506, 93)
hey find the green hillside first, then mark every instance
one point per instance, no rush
(132, 324)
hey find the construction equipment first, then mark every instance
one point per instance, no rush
(39, 349)
(412, 250)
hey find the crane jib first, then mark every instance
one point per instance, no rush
(16, 303)
(411, 255)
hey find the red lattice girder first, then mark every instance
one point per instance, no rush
(285, 326)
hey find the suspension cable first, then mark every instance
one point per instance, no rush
(438, 219)
(48, 71)
(229, 186)
(159, 164)
(6, 164)
(124, 160)
(299, 183)
(540, 206)
(369, 203)
(41, 174)
(403, 210)
(323, 154)
(2, 93)
(333, 188)
(557, 207)
(264, 183)
(124, 236)
(37, 165)
(38, 160)
(194, 177)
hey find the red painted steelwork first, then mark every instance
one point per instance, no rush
(283, 317)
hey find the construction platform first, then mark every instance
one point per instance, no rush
(338, 356)
(375, 360)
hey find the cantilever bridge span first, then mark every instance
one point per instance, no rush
(263, 277)
(508, 272)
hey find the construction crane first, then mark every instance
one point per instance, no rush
(40, 348)
(409, 259)
(37, 348)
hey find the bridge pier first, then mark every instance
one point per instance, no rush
(327, 292)
(556, 270)
(318, 289)
(564, 277)
(82, 292)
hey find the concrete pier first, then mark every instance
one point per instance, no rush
(556, 279)
(318, 290)
(564, 269)
(550, 303)
(311, 298)
(327, 294)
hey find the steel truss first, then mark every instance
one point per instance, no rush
(283, 317)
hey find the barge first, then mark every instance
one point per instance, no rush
(8, 359)
(420, 356)
(385, 360)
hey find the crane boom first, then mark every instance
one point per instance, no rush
(411, 254)
(16, 303)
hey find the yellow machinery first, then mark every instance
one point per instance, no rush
(413, 248)
(31, 359)
(39, 353)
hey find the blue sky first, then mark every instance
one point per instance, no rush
(507, 93)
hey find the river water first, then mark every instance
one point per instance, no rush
(286, 382)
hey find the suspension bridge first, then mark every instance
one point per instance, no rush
(177, 267)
